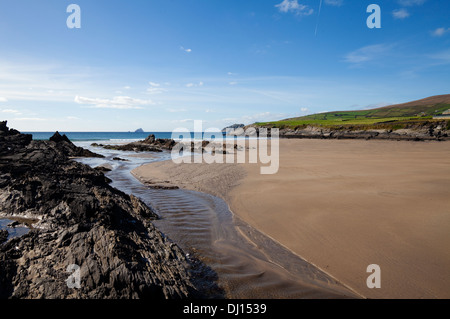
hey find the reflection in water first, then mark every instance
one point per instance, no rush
(248, 264)
(15, 231)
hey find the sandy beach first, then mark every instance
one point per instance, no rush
(343, 205)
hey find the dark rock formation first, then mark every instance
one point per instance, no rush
(103, 168)
(139, 130)
(3, 235)
(69, 149)
(11, 139)
(83, 221)
(150, 144)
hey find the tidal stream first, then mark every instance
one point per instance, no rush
(248, 263)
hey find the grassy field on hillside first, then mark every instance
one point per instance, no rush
(394, 117)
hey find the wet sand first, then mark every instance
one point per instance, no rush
(343, 205)
(245, 263)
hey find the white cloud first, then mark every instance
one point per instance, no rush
(294, 7)
(410, 3)
(439, 32)
(72, 118)
(3, 99)
(336, 3)
(117, 102)
(232, 83)
(185, 50)
(304, 109)
(400, 13)
(367, 53)
(127, 87)
(154, 84)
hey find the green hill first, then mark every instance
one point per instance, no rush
(419, 110)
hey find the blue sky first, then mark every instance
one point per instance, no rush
(160, 64)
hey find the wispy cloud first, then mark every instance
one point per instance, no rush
(257, 117)
(336, 3)
(410, 3)
(439, 32)
(183, 121)
(152, 90)
(30, 119)
(442, 57)
(400, 14)
(190, 85)
(367, 53)
(117, 102)
(294, 7)
(11, 111)
(155, 88)
(176, 110)
(3, 99)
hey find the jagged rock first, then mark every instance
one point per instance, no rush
(150, 139)
(57, 138)
(3, 235)
(150, 144)
(82, 220)
(69, 149)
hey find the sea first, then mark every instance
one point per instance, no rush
(116, 136)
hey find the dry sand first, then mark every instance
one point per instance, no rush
(343, 205)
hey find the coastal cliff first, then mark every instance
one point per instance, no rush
(81, 220)
(424, 131)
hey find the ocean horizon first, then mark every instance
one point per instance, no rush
(109, 136)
